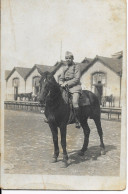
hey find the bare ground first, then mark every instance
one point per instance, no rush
(29, 147)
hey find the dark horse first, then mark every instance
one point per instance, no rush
(25, 95)
(57, 111)
(109, 99)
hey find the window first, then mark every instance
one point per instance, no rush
(15, 82)
(35, 81)
(98, 78)
(36, 85)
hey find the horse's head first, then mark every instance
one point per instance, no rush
(47, 83)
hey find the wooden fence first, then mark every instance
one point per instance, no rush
(20, 105)
(36, 107)
(111, 111)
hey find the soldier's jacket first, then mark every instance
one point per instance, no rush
(71, 75)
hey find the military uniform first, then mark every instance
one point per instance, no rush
(71, 76)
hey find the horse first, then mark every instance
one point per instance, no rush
(109, 99)
(25, 95)
(57, 112)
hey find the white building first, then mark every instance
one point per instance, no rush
(101, 75)
(15, 82)
(23, 80)
(33, 77)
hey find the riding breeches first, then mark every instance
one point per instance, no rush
(75, 99)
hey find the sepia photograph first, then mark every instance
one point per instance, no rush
(63, 94)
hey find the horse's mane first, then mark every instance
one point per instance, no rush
(57, 92)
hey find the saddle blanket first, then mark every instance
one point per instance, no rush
(84, 99)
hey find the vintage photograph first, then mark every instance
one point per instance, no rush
(63, 94)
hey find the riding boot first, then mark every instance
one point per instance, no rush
(76, 113)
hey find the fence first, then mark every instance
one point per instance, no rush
(36, 107)
(26, 106)
(111, 111)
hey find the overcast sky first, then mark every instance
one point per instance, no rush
(32, 30)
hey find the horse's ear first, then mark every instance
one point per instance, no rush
(50, 78)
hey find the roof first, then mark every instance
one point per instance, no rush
(87, 60)
(40, 68)
(23, 71)
(83, 66)
(44, 68)
(7, 72)
(114, 64)
(118, 55)
(58, 65)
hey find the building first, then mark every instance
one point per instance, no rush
(33, 77)
(23, 80)
(101, 75)
(15, 82)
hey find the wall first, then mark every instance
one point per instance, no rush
(9, 87)
(29, 87)
(113, 81)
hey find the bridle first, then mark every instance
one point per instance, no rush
(47, 91)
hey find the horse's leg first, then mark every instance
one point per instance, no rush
(63, 130)
(100, 132)
(54, 131)
(86, 131)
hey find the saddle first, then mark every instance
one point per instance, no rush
(84, 100)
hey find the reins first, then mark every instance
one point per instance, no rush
(53, 99)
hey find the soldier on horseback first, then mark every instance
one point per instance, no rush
(70, 77)
(57, 107)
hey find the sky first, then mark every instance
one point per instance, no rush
(41, 31)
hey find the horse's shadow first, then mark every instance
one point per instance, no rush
(92, 153)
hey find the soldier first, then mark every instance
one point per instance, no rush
(71, 76)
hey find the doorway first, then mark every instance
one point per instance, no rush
(99, 92)
(15, 93)
(99, 81)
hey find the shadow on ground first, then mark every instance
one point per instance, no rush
(91, 154)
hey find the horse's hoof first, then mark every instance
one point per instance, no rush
(102, 152)
(80, 153)
(54, 160)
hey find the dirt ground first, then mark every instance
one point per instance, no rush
(29, 147)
